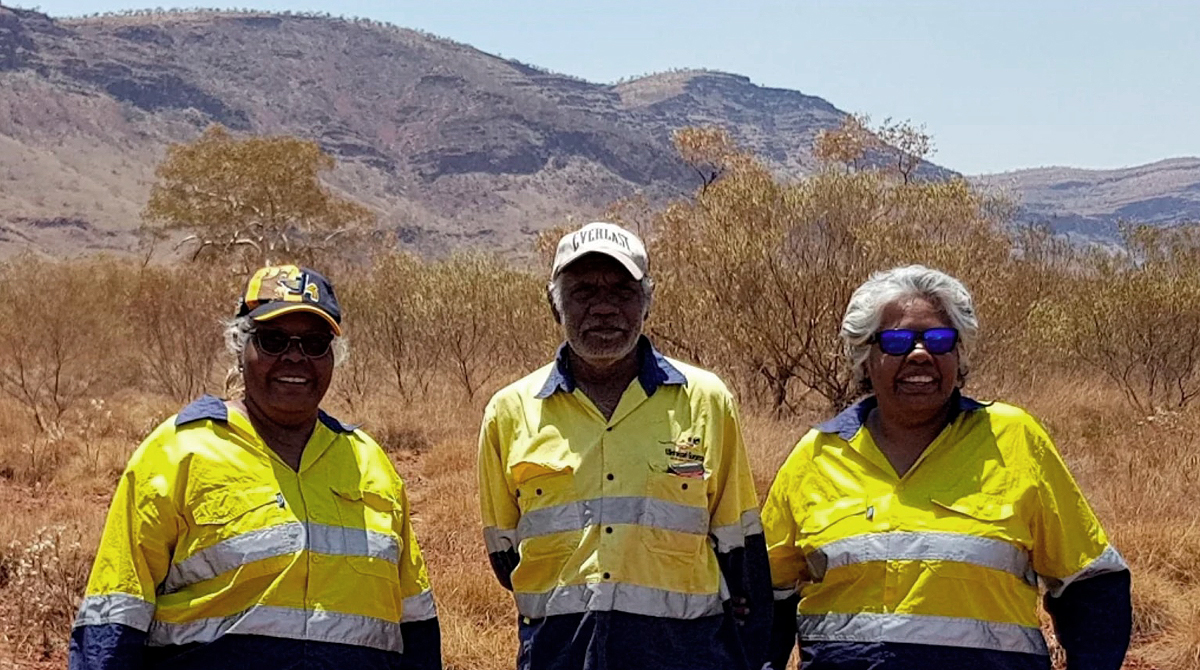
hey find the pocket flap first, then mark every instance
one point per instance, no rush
(820, 517)
(222, 506)
(979, 506)
(383, 501)
(524, 472)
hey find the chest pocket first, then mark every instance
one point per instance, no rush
(680, 504)
(367, 536)
(825, 523)
(550, 509)
(253, 516)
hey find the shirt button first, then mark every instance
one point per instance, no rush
(609, 429)
(608, 529)
(610, 476)
(539, 492)
(685, 486)
(606, 575)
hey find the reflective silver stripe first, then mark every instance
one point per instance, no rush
(918, 629)
(286, 622)
(345, 541)
(119, 608)
(784, 594)
(734, 535)
(908, 546)
(497, 540)
(651, 512)
(608, 596)
(1109, 560)
(235, 552)
(274, 541)
(419, 607)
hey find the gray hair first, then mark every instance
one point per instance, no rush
(865, 312)
(554, 288)
(237, 335)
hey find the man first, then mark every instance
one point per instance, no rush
(617, 499)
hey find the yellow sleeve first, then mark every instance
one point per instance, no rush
(1069, 543)
(414, 577)
(733, 509)
(135, 548)
(788, 566)
(497, 502)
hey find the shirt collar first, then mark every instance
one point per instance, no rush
(847, 423)
(212, 408)
(654, 370)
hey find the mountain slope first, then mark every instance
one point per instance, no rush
(447, 142)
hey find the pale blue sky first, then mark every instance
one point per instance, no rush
(1001, 85)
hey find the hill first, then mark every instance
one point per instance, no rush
(1092, 203)
(449, 143)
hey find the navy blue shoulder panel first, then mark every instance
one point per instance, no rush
(202, 408)
(847, 423)
(106, 647)
(654, 370)
(903, 656)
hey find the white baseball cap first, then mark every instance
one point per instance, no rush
(602, 238)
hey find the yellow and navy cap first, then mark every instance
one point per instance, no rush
(283, 289)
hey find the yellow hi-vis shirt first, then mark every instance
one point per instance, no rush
(210, 533)
(621, 514)
(949, 554)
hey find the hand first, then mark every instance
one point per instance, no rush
(740, 606)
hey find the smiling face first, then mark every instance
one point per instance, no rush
(919, 384)
(603, 309)
(287, 388)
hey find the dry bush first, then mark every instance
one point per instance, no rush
(1133, 315)
(178, 313)
(755, 271)
(48, 574)
(62, 335)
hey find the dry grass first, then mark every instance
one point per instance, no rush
(1141, 473)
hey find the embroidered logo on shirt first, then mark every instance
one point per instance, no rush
(687, 459)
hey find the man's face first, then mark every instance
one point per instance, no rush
(603, 309)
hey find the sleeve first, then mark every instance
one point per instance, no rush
(418, 622)
(1087, 581)
(787, 564)
(497, 503)
(737, 534)
(133, 558)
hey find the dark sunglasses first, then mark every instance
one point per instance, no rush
(901, 341)
(275, 343)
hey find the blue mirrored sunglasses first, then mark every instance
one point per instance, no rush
(901, 341)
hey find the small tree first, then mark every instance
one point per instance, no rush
(258, 197)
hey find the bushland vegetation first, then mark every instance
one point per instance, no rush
(753, 275)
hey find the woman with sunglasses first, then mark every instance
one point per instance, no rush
(915, 529)
(260, 530)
